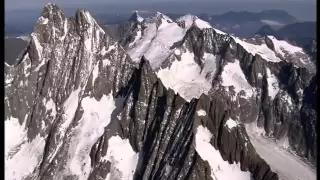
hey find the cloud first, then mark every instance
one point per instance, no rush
(271, 22)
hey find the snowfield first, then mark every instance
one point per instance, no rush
(96, 116)
(184, 77)
(262, 50)
(232, 75)
(18, 150)
(123, 159)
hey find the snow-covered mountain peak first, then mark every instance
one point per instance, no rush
(51, 7)
(158, 16)
(70, 65)
(290, 53)
(85, 21)
(190, 20)
(135, 17)
(50, 12)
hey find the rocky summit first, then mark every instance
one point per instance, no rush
(172, 100)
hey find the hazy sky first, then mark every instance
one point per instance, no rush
(303, 9)
(22, 4)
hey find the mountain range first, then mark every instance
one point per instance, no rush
(301, 33)
(170, 99)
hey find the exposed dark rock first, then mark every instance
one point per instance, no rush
(71, 61)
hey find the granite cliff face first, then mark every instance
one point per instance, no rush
(265, 82)
(78, 107)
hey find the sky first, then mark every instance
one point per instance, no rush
(302, 9)
(23, 4)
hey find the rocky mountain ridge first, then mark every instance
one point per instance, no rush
(78, 107)
(262, 79)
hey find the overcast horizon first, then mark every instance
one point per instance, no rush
(302, 9)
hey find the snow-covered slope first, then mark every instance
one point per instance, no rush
(160, 33)
(52, 120)
(291, 53)
(164, 38)
(287, 164)
(220, 169)
(78, 107)
(255, 74)
(81, 108)
(190, 20)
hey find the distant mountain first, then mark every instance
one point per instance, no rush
(277, 16)
(302, 29)
(245, 23)
(301, 33)
(266, 30)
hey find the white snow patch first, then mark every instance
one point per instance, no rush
(26, 65)
(43, 20)
(106, 62)
(104, 51)
(8, 79)
(220, 169)
(232, 75)
(26, 159)
(286, 98)
(177, 52)
(6, 64)
(88, 16)
(159, 47)
(155, 43)
(284, 48)
(122, 157)
(209, 65)
(263, 50)
(87, 44)
(65, 30)
(136, 38)
(50, 105)
(143, 44)
(43, 62)
(191, 86)
(163, 17)
(14, 134)
(219, 31)
(139, 18)
(37, 45)
(273, 84)
(190, 19)
(70, 106)
(95, 73)
(281, 46)
(230, 123)
(259, 75)
(201, 112)
(96, 116)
